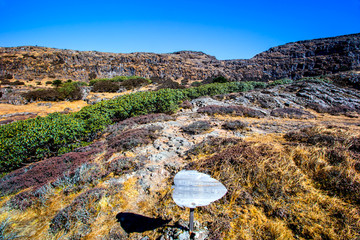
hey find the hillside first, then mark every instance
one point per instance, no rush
(288, 154)
(100, 165)
(292, 60)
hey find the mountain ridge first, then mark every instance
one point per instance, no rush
(293, 60)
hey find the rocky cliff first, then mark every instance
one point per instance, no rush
(293, 60)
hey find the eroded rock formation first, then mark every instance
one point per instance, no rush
(293, 60)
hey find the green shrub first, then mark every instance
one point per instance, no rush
(106, 86)
(81, 84)
(16, 83)
(168, 83)
(57, 83)
(132, 83)
(33, 139)
(42, 94)
(195, 84)
(30, 140)
(69, 91)
(220, 79)
(281, 82)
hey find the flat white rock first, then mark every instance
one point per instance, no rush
(194, 189)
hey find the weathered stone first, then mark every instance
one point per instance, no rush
(292, 60)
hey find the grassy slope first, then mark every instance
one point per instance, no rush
(303, 185)
(275, 191)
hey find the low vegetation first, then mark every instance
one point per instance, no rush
(116, 83)
(291, 113)
(304, 184)
(68, 91)
(33, 139)
(281, 190)
(235, 125)
(30, 140)
(197, 127)
(232, 110)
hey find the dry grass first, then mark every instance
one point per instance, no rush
(278, 188)
(42, 110)
(272, 196)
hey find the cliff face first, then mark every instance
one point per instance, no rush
(294, 60)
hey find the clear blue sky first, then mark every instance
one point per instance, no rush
(225, 29)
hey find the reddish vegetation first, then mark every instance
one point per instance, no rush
(235, 125)
(197, 127)
(312, 137)
(233, 110)
(38, 174)
(336, 175)
(23, 200)
(291, 113)
(334, 110)
(145, 119)
(132, 138)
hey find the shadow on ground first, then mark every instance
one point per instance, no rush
(132, 222)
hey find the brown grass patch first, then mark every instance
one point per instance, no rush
(271, 196)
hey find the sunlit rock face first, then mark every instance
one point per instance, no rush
(293, 60)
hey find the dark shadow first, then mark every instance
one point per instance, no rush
(132, 222)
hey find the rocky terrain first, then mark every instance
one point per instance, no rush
(287, 151)
(292, 60)
(288, 154)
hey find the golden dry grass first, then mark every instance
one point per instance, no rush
(275, 191)
(42, 110)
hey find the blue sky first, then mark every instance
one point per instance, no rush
(225, 29)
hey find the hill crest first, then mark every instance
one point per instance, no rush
(293, 60)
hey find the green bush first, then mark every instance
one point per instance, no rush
(69, 91)
(168, 83)
(42, 94)
(106, 86)
(132, 83)
(220, 79)
(81, 84)
(281, 82)
(16, 83)
(56, 83)
(30, 140)
(195, 84)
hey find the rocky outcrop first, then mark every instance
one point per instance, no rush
(308, 58)
(293, 60)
